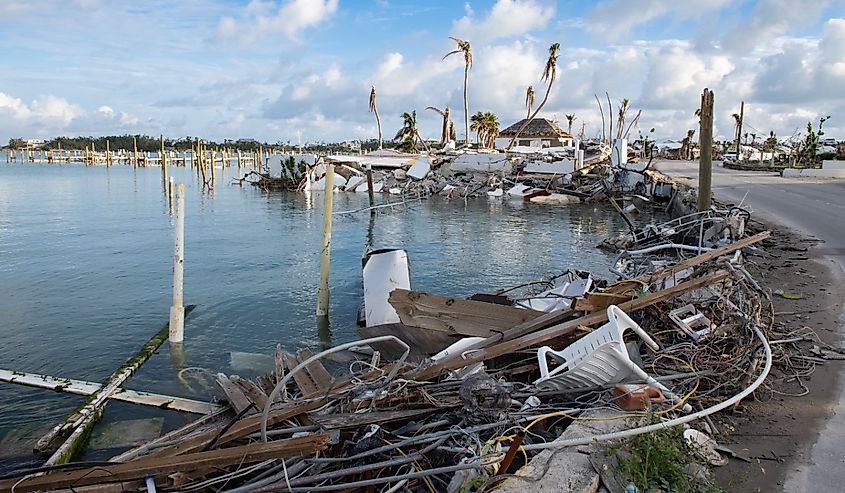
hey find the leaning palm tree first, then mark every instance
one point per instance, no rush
(529, 100)
(737, 124)
(448, 127)
(570, 119)
(409, 134)
(620, 123)
(466, 49)
(374, 109)
(549, 76)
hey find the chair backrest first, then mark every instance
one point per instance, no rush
(612, 331)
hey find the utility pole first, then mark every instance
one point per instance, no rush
(739, 128)
(705, 142)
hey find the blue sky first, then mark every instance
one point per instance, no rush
(285, 70)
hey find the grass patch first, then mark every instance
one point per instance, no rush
(663, 461)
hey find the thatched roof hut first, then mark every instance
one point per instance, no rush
(541, 132)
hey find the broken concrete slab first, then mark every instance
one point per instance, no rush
(568, 469)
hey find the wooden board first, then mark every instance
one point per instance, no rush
(318, 373)
(593, 302)
(456, 316)
(157, 466)
(535, 338)
(302, 379)
(233, 393)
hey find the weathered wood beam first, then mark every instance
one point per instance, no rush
(456, 316)
(66, 438)
(81, 387)
(161, 466)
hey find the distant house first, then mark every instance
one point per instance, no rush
(541, 132)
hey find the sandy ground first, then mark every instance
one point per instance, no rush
(778, 431)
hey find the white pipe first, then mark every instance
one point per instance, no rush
(677, 246)
(177, 309)
(574, 442)
(281, 384)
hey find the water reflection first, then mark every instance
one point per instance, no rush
(86, 259)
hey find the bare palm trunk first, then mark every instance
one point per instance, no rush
(427, 148)
(602, 116)
(378, 122)
(534, 115)
(466, 105)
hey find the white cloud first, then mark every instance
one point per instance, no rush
(260, 18)
(507, 18)
(615, 18)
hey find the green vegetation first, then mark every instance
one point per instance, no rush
(662, 461)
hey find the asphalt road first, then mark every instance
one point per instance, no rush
(815, 208)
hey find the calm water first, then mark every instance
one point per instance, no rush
(85, 273)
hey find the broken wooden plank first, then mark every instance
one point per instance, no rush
(494, 348)
(595, 301)
(455, 316)
(338, 421)
(252, 392)
(303, 379)
(161, 466)
(81, 387)
(240, 429)
(66, 438)
(318, 373)
(233, 393)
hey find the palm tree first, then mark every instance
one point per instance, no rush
(686, 145)
(486, 127)
(569, 120)
(549, 75)
(374, 109)
(409, 133)
(491, 124)
(448, 128)
(529, 100)
(464, 47)
(623, 108)
(737, 124)
(477, 125)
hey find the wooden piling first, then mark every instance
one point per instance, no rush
(163, 162)
(705, 163)
(370, 187)
(323, 290)
(177, 310)
(108, 154)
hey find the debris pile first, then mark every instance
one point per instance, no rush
(541, 175)
(456, 395)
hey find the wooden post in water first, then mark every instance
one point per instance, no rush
(705, 163)
(108, 154)
(323, 290)
(163, 162)
(370, 186)
(177, 309)
(739, 128)
(135, 150)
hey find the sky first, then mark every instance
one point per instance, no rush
(301, 70)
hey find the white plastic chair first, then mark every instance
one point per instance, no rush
(599, 358)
